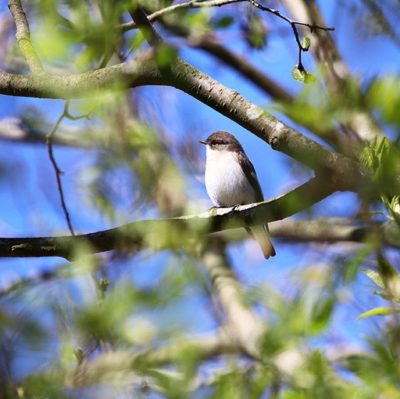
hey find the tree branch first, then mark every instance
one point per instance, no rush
(243, 326)
(167, 10)
(333, 230)
(128, 74)
(211, 92)
(254, 75)
(105, 366)
(293, 25)
(23, 36)
(58, 172)
(326, 53)
(342, 170)
(181, 230)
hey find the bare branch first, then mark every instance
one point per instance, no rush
(217, 3)
(167, 10)
(23, 36)
(152, 37)
(57, 169)
(293, 25)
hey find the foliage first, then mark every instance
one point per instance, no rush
(201, 321)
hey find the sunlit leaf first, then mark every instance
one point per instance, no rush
(379, 311)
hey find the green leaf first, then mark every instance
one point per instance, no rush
(302, 75)
(372, 155)
(298, 74)
(305, 43)
(379, 311)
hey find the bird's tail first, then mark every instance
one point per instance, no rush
(261, 234)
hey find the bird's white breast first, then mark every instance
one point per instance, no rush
(226, 183)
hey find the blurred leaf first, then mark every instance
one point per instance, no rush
(230, 386)
(137, 40)
(165, 55)
(305, 43)
(352, 264)
(255, 32)
(322, 313)
(379, 311)
(384, 95)
(223, 22)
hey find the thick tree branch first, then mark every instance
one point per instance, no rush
(230, 103)
(253, 74)
(121, 76)
(181, 230)
(342, 170)
(339, 169)
(323, 230)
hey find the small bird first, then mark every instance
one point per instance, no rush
(231, 180)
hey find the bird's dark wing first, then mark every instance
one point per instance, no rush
(251, 174)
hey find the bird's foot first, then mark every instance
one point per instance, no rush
(215, 210)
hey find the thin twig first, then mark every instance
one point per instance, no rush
(293, 25)
(39, 276)
(218, 3)
(57, 170)
(167, 10)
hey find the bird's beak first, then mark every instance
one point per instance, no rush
(203, 142)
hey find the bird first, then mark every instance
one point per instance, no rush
(231, 180)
